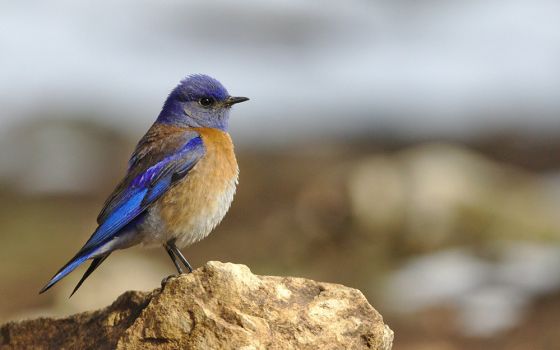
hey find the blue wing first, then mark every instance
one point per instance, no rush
(155, 166)
(144, 189)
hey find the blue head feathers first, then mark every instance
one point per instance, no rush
(198, 101)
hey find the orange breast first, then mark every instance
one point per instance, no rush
(192, 208)
(220, 157)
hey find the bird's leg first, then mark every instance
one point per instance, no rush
(173, 258)
(178, 254)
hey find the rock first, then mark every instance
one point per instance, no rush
(219, 306)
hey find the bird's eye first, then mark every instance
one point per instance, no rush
(206, 101)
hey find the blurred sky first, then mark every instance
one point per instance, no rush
(410, 66)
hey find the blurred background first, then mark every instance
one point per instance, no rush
(410, 149)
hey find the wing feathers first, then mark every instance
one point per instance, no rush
(145, 184)
(164, 156)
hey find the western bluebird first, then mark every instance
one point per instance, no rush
(180, 181)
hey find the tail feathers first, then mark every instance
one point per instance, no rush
(66, 269)
(94, 265)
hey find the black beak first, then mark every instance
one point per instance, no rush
(233, 100)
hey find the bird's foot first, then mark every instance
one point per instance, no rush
(168, 278)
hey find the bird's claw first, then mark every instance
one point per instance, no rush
(167, 279)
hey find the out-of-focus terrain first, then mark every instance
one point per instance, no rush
(455, 243)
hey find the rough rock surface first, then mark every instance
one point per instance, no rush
(219, 306)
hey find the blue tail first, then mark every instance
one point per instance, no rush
(94, 265)
(66, 269)
(96, 250)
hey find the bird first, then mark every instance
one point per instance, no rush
(180, 181)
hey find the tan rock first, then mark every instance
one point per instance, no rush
(219, 306)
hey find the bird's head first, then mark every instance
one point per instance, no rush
(199, 101)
